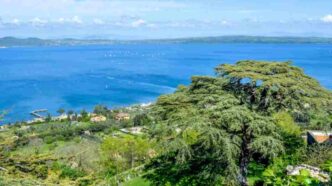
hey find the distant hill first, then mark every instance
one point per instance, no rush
(12, 41)
(15, 42)
(250, 39)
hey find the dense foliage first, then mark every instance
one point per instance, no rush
(216, 126)
(124, 153)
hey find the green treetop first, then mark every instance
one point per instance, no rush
(211, 130)
(278, 85)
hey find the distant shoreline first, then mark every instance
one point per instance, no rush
(64, 115)
(30, 42)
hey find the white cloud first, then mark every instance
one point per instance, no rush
(224, 22)
(77, 20)
(138, 23)
(327, 19)
(73, 20)
(61, 20)
(16, 21)
(36, 21)
(98, 22)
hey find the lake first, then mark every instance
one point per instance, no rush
(79, 77)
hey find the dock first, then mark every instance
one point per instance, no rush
(36, 113)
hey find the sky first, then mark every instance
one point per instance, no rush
(153, 19)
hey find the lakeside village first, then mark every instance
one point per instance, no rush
(71, 139)
(81, 132)
(100, 114)
(136, 113)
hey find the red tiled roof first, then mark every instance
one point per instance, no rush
(321, 136)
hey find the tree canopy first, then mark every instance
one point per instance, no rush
(211, 130)
(277, 85)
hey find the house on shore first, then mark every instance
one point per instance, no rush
(98, 118)
(319, 137)
(122, 116)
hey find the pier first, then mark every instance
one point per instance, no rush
(36, 113)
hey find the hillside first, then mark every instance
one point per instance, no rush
(25, 42)
(243, 126)
(15, 42)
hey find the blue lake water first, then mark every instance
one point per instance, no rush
(79, 77)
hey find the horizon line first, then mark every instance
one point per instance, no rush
(170, 38)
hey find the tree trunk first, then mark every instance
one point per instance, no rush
(244, 157)
(243, 171)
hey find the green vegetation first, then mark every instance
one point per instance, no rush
(212, 130)
(242, 127)
(73, 151)
(137, 182)
(68, 172)
(61, 111)
(125, 153)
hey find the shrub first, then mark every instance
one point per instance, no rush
(287, 124)
(59, 138)
(84, 182)
(101, 109)
(19, 133)
(53, 146)
(77, 139)
(141, 119)
(21, 142)
(84, 116)
(41, 171)
(49, 140)
(327, 166)
(68, 172)
(71, 173)
(124, 153)
(318, 154)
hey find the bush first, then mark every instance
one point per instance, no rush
(141, 119)
(318, 154)
(52, 146)
(84, 182)
(327, 166)
(41, 171)
(101, 109)
(21, 142)
(285, 121)
(124, 153)
(49, 140)
(59, 138)
(68, 172)
(19, 133)
(84, 116)
(77, 139)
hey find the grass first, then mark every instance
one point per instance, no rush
(137, 182)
